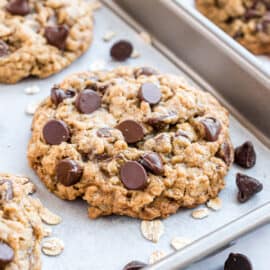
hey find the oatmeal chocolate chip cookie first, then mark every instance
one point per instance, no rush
(40, 38)
(248, 21)
(131, 142)
(21, 228)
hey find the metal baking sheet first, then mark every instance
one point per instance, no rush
(111, 242)
(263, 61)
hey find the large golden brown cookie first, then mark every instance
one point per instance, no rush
(131, 142)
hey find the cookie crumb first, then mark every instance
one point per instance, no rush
(108, 36)
(135, 54)
(52, 246)
(156, 256)
(152, 230)
(31, 108)
(146, 37)
(200, 213)
(214, 204)
(180, 242)
(32, 90)
(49, 217)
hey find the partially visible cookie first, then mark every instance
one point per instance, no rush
(21, 229)
(131, 142)
(247, 21)
(40, 38)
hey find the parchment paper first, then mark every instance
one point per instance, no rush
(111, 242)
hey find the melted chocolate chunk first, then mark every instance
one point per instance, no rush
(9, 192)
(18, 7)
(152, 162)
(150, 93)
(88, 101)
(225, 153)
(212, 128)
(58, 95)
(57, 35)
(3, 48)
(6, 255)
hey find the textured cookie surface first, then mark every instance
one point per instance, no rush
(131, 142)
(21, 229)
(40, 38)
(248, 21)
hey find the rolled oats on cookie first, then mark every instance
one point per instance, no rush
(40, 38)
(131, 141)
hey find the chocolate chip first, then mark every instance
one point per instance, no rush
(212, 128)
(182, 133)
(68, 172)
(9, 192)
(121, 50)
(146, 71)
(3, 48)
(248, 186)
(6, 255)
(57, 35)
(245, 155)
(18, 7)
(88, 101)
(252, 13)
(133, 175)
(58, 95)
(131, 130)
(104, 133)
(56, 132)
(237, 261)
(225, 153)
(152, 162)
(150, 93)
(135, 265)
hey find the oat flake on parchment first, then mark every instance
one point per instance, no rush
(49, 217)
(156, 256)
(32, 90)
(52, 246)
(96, 5)
(47, 231)
(200, 213)
(214, 204)
(146, 37)
(108, 36)
(135, 54)
(152, 230)
(180, 242)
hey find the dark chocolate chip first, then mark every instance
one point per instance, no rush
(150, 93)
(6, 255)
(121, 50)
(104, 133)
(146, 71)
(68, 172)
(135, 265)
(88, 101)
(182, 133)
(252, 13)
(9, 192)
(238, 34)
(58, 95)
(225, 153)
(237, 261)
(245, 155)
(133, 175)
(131, 130)
(18, 7)
(248, 186)
(102, 157)
(152, 162)
(3, 48)
(55, 132)
(212, 128)
(57, 35)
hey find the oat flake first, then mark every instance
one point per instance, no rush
(31, 90)
(156, 256)
(49, 217)
(200, 213)
(52, 246)
(108, 36)
(214, 204)
(47, 231)
(180, 242)
(146, 37)
(31, 108)
(135, 54)
(152, 230)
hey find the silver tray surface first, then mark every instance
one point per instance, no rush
(111, 242)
